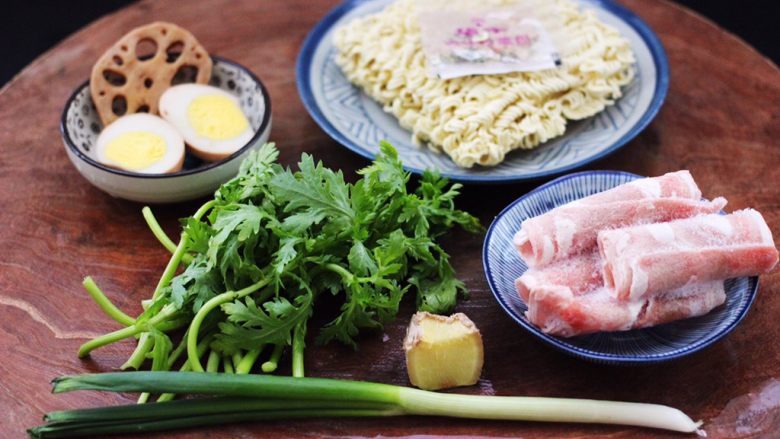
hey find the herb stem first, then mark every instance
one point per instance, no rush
(157, 231)
(178, 253)
(105, 303)
(176, 353)
(197, 320)
(173, 265)
(212, 364)
(164, 397)
(271, 365)
(146, 343)
(160, 234)
(202, 346)
(203, 209)
(236, 359)
(345, 274)
(106, 339)
(246, 363)
(121, 334)
(137, 358)
(170, 325)
(299, 333)
(227, 364)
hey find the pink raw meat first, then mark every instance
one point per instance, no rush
(643, 260)
(573, 228)
(568, 298)
(678, 184)
(559, 313)
(574, 276)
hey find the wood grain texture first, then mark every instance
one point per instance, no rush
(720, 121)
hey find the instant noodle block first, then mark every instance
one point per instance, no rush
(478, 119)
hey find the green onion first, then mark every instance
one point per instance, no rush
(92, 429)
(272, 397)
(193, 407)
(297, 349)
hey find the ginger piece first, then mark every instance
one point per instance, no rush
(443, 352)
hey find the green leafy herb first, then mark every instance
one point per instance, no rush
(259, 255)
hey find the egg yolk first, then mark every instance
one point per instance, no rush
(135, 150)
(216, 117)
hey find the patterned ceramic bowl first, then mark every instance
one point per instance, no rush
(80, 126)
(660, 343)
(358, 122)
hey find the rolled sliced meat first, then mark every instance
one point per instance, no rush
(573, 228)
(679, 184)
(558, 312)
(569, 298)
(644, 260)
(573, 276)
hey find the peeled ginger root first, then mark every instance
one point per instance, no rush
(443, 352)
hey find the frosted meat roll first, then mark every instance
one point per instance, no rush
(641, 254)
(573, 228)
(569, 298)
(574, 276)
(643, 260)
(557, 313)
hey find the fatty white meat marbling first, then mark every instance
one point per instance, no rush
(644, 260)
(572, 228)
(573, 276)
(569, 298)
(638, 255)
(564, 315)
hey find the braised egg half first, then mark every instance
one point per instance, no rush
(210, 119)
(141, 143)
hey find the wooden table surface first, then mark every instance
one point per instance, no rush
(720, 120)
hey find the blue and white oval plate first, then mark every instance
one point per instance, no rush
(356, 121)
(660, 343)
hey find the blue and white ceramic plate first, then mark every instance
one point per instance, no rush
(353, 119)
(660, 343)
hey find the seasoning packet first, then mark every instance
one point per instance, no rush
(471, 38)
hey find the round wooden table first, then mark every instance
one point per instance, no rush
(721, 121)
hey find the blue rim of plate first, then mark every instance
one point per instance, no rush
(305, 56)
(560, 343)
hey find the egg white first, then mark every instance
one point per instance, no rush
(173, 157)
(174, 105)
